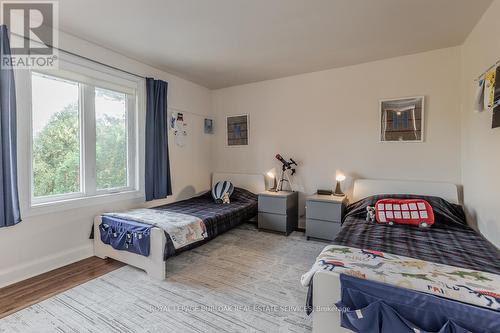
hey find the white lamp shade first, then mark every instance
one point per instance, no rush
(340, 177)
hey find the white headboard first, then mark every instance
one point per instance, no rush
(366, 187)
(253, 182)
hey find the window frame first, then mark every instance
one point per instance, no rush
(89, 75)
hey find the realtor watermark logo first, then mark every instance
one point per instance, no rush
(33, 27)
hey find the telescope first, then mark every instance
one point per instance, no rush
(287, 165)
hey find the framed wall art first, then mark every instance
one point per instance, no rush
(402, 119)
(237, 130)
(208, 126)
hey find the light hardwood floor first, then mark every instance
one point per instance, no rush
(36, 289)
(242, 281)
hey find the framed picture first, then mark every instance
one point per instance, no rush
(209, 126)
(237, 130)
(402, 119)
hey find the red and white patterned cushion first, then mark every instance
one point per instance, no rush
(408, 211)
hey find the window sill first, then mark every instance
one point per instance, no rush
(134, 196)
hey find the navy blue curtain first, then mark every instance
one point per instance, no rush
(158, 183)
(9, 200)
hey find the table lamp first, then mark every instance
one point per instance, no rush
(338, 190)
(272, 177)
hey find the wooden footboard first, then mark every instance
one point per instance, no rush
(154, 265)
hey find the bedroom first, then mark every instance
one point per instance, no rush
(235, 84)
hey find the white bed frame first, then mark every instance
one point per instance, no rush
(154, 265)
(326, 290)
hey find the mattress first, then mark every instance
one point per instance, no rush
(217, 218)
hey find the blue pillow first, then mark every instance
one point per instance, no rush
(220, 188)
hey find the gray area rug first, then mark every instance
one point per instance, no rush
(242, 281)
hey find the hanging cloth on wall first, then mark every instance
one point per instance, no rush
(479, 98)
(489, 89)
(178, 125)
(496, 101)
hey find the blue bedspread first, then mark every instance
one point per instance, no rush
(449, 241)
(217, 218)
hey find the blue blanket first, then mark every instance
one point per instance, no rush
(464, 247)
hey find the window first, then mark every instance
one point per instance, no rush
(82, 137)
(111, 139)
(56, 136)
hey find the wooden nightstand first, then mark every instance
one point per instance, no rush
(324, 215)
(278, 211)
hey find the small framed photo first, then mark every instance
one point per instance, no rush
(402, 119)
(209, 126)
(237, 130)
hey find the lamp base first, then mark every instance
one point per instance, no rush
(272, 186)
(338, 191)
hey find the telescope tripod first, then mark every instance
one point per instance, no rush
(284, 177)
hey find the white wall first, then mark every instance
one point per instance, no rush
(44, 242)
(480, 143)
(329, 121)
(326, 120)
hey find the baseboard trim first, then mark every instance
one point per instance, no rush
(43, 265)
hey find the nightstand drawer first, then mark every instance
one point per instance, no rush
(275, 222)
(275, 205)
(324, 211)
(322, 229)
(278, 211)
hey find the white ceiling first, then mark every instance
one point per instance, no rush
(220, 43)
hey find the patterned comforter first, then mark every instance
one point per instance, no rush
(465, 285)
(183, 229)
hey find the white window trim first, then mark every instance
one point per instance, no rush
(81, 70)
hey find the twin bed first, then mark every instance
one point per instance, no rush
(389, 278)
(145, 246)
(448, 260)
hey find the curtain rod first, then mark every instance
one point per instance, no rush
(489, 68)
(112, 67)
(83, 57)
(101, 63)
